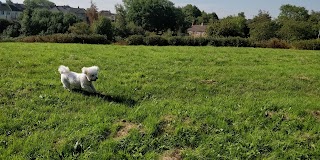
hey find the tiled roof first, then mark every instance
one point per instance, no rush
(4, 7)
(198, 28)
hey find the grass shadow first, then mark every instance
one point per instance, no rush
(117, 99)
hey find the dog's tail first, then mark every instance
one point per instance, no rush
(63, 69)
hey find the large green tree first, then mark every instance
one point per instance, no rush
(231, 26)
(152, 15)
(103, 26)
(294, 24)
(32, 4)
(292, 12)
(192, 13)
(262, 27)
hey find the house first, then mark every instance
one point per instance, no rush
(79, 12)
(10, 11)
(197, 30)
(108, 14)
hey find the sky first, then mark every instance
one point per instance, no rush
(223, 8)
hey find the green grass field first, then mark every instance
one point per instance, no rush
(160, 102)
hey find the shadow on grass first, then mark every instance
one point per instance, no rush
(117, 99)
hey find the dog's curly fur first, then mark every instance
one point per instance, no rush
(83, 81)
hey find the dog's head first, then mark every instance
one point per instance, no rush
(91, 72)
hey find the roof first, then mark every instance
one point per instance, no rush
(68, 9)
(106, 13)
(4, 7)
(14, 8)
(21, 7)
(198, 28)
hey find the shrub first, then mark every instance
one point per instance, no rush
(67, 38)
(273, 43)
(307, 44)
(175, 41)
(200, 41)
(135, 40)
(155, 41)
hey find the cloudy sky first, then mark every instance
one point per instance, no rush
(221, 7)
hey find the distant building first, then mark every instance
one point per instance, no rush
(11, 11)
(197, 30)
(108, 14)
(80, 12)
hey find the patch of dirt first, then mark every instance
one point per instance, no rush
(167, 122)
(125, 128)
(302, 77)
(316, 114)
(172, 155)
(210, 81)
(269, 114)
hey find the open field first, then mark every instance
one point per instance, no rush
(160, 102)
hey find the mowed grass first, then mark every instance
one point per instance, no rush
(160, 102)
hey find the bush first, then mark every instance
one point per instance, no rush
(273, 43)
(135, 40)
(155, 41)
(175, 41)
(67, 38)
(313, 44)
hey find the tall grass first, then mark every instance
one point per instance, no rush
(156, 102)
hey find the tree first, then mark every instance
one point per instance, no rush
(103, 26)
(291, 12)
(314, 19)
(206, 18)
(294, 23)
(121, 22)
(26, 27)
(153, 15)
(192, 13)
(295, 30)
(262, 27)
(92, 13)
(32, 4)
(80, 28)
(231, 26)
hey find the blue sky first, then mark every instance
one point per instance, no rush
(221, 7)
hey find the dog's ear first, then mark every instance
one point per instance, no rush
(96, 67)
(84, 70)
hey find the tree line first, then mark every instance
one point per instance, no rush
(161, 17)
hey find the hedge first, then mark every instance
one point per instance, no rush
(67, 38)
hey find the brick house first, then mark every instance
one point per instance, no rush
(197, 30)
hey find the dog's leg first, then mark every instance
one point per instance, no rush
(65, 83)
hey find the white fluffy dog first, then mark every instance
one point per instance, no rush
(72, 80)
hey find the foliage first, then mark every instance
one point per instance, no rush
(80, 28)
(33, 4)
(4, 24)
(313, 44)
(43, 21)
(295, 30)
(103, 26)
(135, 40)
(13, 30)
(92, 13)
(67, 38)
(192, 13)
(293, 12)
(195, 102)
(262, 27)
(273, 43)
(141, 12)
(155, 41)
(231, 26)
